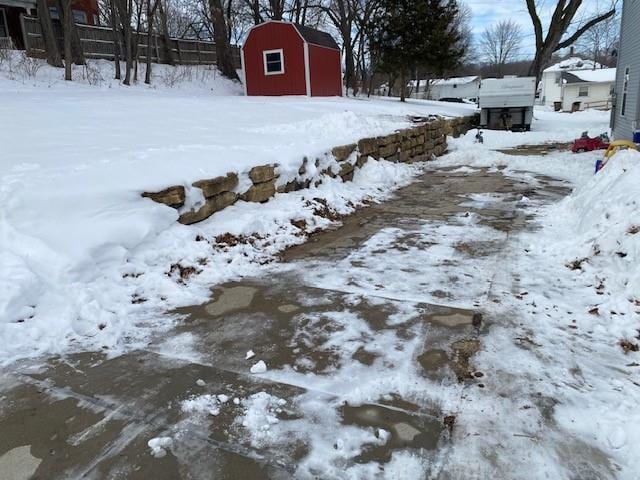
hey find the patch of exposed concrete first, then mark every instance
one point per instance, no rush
(288, 308)
(18, 464)
(231, 299)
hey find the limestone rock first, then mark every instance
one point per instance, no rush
(342, 152)
(367, 146)
(345, 167)
(262, 173)
(260, 192)
(173, 196)
(215, 186)
(388, 151)
(362, 159)
(211, 205)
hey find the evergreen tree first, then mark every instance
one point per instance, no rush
(418, 33)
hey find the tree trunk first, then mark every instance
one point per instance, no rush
(69, 29)
(136, 53)
(124, 14)
(50, 42)
(166, 39)
(116, 39)
(403, 85)
(150, 14)
(67, 21)
(224, 55)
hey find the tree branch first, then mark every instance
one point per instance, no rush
(537, 24)
(584, 28)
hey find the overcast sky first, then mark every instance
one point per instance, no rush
(486, 12)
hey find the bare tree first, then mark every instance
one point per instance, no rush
(151, 11)
(599, 41)
(72, 48)
(500, 43)
(54, 58)
(116, 38)
(124, 11)
(561, 21)
(224, 55)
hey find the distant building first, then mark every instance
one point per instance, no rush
(283, 58)
(555, 78)
(11, 34)
(462, 88)
(588, 89)
(625, 115)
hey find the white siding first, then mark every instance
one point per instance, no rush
(599, 94)
(551, 88)
(465, 90)
(628, 56)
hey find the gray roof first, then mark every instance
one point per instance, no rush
(316, 37)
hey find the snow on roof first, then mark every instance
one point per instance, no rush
(573, 63)
(603, 75)
(455, 80)
(446, 81)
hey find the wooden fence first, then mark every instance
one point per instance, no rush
(98, 42)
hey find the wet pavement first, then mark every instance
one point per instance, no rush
(365, 331)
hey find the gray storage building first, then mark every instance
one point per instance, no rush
(625, 115)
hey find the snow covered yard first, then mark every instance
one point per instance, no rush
(86, 260)
(474, 325)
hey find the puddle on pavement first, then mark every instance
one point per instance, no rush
(403, 429)
(539, 149)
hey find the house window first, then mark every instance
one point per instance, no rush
(4, 31)
(625, 89)
(80, 16)
(583, 91)
(273, 62)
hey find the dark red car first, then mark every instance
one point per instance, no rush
(588, 144)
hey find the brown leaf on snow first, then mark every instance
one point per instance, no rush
(628, 346)
(594, 311)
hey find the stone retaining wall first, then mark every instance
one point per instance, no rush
(428, 139)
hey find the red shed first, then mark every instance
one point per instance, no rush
(282, 58)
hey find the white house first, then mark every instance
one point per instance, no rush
(552, 83)
(588, 89)
(455, 87)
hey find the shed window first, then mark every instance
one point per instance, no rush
(583, 91)
(80, 16)
(273, 62)
(625, 89)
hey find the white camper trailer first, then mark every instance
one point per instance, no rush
(507, 103)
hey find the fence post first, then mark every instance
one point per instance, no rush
(155, 40)
(179, 50)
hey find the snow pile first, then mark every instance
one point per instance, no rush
(260, 415)
(560, 355)
(208, 403)
(159, 446)
(605, 224)
(258, 367)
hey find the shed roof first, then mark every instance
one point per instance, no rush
(602, 75)
(316, 37)
(573, 63)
